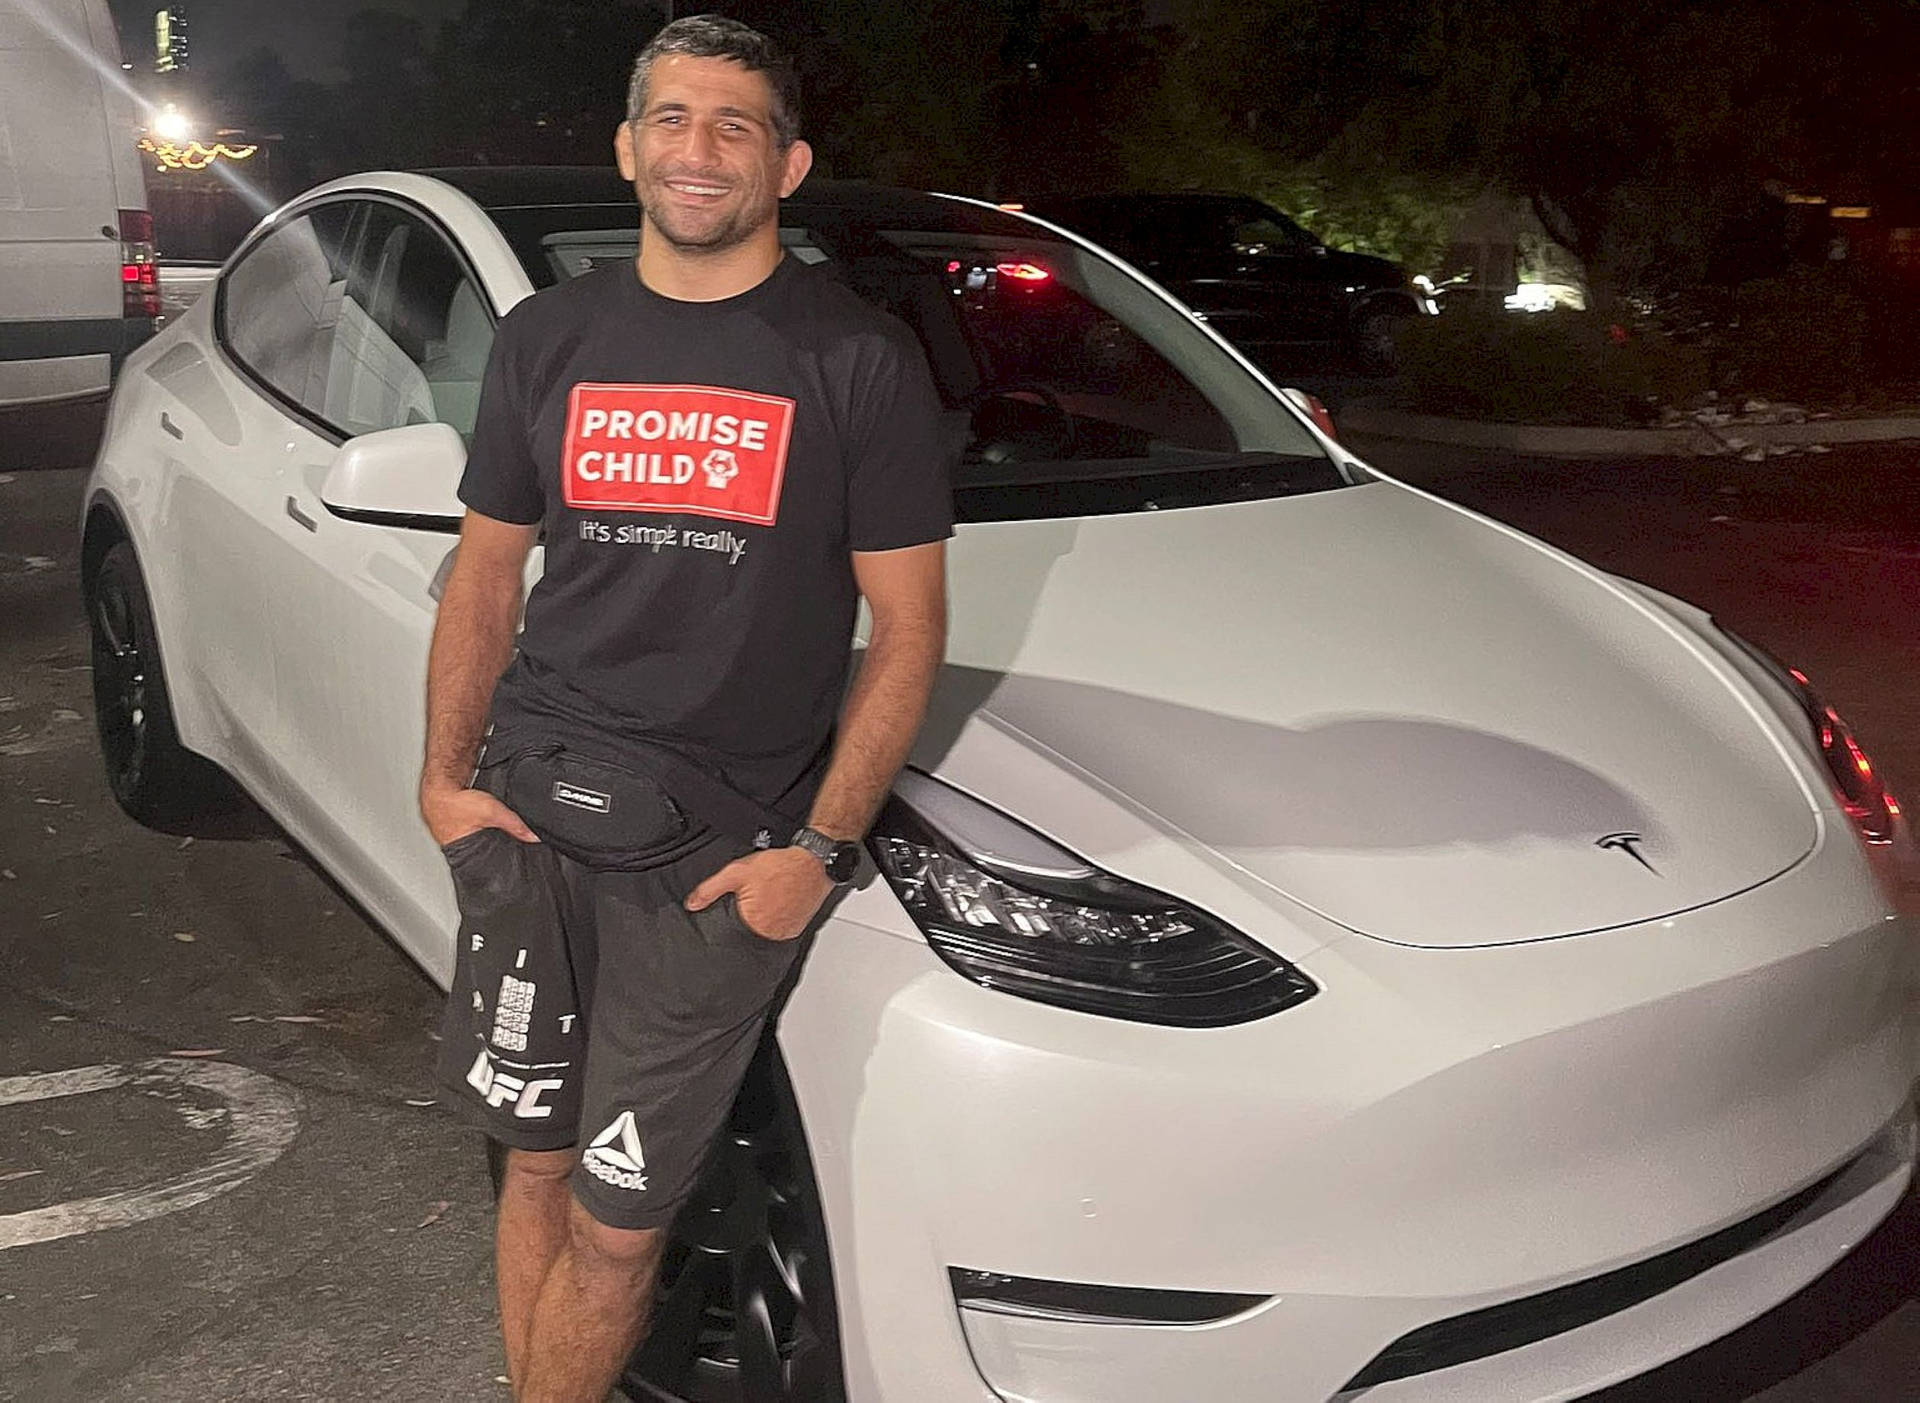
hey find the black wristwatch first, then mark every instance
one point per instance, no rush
(841, 859)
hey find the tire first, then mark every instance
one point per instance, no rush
(153, 777)
(1373, 337)
(744, 1311)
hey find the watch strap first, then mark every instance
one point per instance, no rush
(829, 851)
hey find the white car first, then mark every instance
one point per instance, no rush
(1327, 945)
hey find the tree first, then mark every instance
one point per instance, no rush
(260, 96)
(536, 81)
(1647, 134)
(380, 113)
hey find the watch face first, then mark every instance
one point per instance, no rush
(843, 862)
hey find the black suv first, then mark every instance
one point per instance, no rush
(1268, 285)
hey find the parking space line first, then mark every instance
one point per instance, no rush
(262, 1118)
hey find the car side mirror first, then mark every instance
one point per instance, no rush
(408, 476)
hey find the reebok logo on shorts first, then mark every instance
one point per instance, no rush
(692, 449)
(614, 1156)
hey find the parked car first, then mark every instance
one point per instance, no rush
(78, 287)
(1325, 942)
(181, 283)
(1268, 285)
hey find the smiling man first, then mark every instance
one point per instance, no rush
(647, 807)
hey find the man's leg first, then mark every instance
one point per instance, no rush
(679, 1001)
(513, 1047)
(529, 1232)
(590, 1311)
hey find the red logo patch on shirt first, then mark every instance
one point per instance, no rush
(692, 449)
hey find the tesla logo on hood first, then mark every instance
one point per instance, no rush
(1627, 843)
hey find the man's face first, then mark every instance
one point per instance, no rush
(703, 157)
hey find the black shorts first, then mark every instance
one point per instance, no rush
(592, 1009)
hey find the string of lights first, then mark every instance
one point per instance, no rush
(194, 155)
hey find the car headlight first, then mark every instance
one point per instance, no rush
(1855, 783)
(1013, 911)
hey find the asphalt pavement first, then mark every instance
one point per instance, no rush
(238, 999)
(224, 1173)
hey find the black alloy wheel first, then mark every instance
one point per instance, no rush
(1375, 337)
(744, 1311)
(153, 777)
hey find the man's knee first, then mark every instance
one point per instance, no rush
(539, 1169)
(633, 1250)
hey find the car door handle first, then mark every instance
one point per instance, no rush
(166, 422)
(293, 510)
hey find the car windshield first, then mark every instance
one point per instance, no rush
(1071, 388)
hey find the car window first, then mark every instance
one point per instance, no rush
(276, 307)
(1265, 233)
(1010, 326)
(1074, 387)
(1129, 230)
(413, 333)
(1198, 226)
(360, 313)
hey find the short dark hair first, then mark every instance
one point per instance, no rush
(715, 36)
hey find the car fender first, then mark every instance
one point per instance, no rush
(111, 505)
(1396, 301)
(1789, 722)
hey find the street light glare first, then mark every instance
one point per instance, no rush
(172, 124)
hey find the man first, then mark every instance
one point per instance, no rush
(726, 450)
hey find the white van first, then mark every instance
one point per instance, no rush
(78, 284)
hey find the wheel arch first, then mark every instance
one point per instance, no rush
(104, 528)
(105, 525)
(1395, 301)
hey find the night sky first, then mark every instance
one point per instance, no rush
(300, 31)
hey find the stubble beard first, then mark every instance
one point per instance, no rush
(697, 236)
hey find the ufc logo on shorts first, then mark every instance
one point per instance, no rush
(498, 1088)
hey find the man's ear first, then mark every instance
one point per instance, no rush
(796, 163)
(623, 153)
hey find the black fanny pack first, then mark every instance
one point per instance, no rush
(631, 813)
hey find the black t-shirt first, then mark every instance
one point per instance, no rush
(702, 470)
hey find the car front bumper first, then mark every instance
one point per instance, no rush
(1276, 1350)
(1438, 1132)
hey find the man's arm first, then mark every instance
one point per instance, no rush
(781, 890)
(906, 592)
(472, 644)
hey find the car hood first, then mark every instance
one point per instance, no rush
(1365, 269)
(1424, 726)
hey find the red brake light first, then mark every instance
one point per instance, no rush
(1310, 406)
(139, 273)
(1861, 794)
(1866, 801)
(1023, 272)
(1322, 420)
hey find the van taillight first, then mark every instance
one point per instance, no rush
(139, 273)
